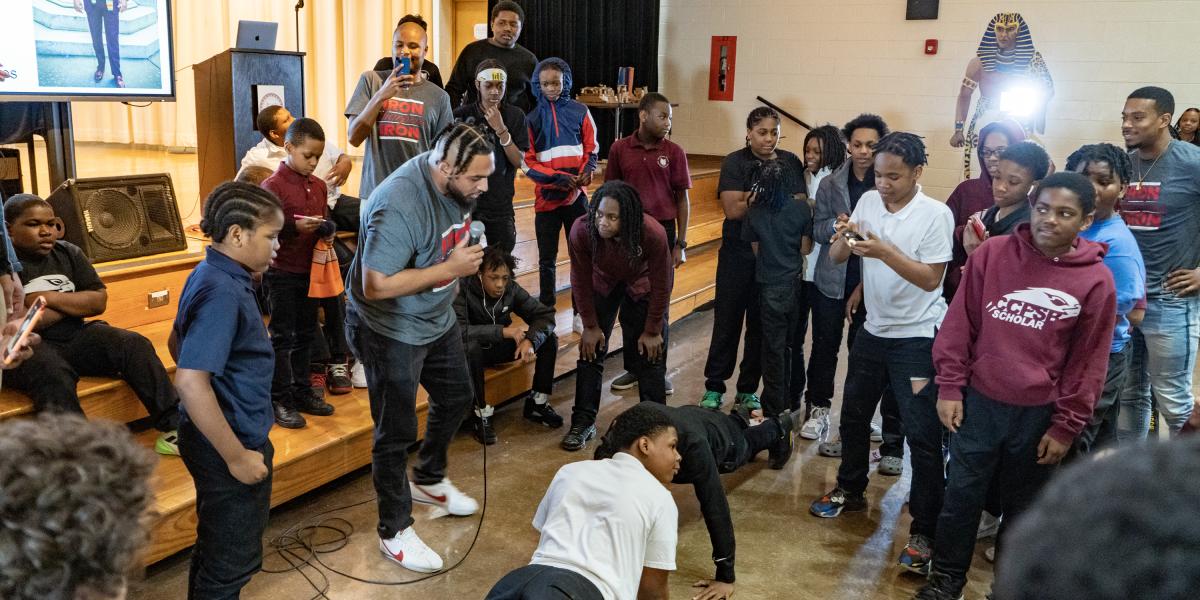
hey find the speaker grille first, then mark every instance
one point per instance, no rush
(112, 217)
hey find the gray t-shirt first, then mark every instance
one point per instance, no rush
(407, 224)
(405, 127)
(1164, 212)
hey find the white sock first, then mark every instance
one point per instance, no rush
(485, 412)
(540, 398)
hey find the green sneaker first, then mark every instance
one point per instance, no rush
(711, 400)
(167, 443)
(748, 401)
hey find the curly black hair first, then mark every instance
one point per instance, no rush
(833, 147)
(908, 146)
(636, 422)
(1117, 159)
(631, 217)
(495, 257)
(74, 507)
(1089, 535)
(1029, 155)
(236, 203)
(1073, 182)
(865, 121)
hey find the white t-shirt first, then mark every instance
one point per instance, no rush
(924, 231)
(606, 519)
(268, 155)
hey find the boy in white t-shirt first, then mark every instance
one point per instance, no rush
(905, 239)
(608, 527)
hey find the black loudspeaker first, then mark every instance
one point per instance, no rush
(10, 172)
(921, 10)
(113, 218)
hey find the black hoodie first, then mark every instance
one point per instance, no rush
(483, 320)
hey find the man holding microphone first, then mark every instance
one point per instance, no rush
(400, 323)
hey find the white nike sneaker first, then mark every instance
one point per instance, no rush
(358, 375)
(408, 551)
(817, 425)
(876, 432)
(444, 496)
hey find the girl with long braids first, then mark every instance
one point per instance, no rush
(225, 362)
(621, 267)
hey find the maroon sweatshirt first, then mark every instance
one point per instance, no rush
(1029, 330)
(600, 272)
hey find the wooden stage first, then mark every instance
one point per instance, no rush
(330, 447)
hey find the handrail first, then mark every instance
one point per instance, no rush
(784, 113)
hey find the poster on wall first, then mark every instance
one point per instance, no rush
(721, 67)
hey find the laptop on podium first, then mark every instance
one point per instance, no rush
(256, 35)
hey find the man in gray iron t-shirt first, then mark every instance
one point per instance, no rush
(398, 116)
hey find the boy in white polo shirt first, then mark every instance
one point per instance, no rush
(905, 239)
(609, 527)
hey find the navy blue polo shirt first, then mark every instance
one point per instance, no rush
(220, 330)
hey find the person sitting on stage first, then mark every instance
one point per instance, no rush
(620, 263)
(71, 347)
(608, 527)
(484, 306)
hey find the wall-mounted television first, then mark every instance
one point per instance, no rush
(56, 50)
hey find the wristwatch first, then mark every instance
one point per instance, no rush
(682, 244)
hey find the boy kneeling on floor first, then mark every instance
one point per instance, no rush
(484, 306)
(72, 347)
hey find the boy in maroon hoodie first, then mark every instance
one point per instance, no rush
(1020, 361)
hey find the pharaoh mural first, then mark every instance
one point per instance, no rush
(1006, 62)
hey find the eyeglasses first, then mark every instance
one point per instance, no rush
(993, 152)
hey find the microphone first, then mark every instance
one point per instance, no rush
(477, 230)
(299, 4)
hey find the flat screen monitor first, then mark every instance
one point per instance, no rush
(55, 50)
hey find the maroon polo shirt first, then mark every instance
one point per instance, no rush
(299, 195)
(657, 172)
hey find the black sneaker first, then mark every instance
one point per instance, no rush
(577, 438)
(313, 403)
(287, 417)
(542, 413)
(938, 588)
(781, 451)
(481, 428)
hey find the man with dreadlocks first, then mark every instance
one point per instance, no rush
(905, 240)
(620, 265)
(401, 324)
(778, 226)
(1006, 61)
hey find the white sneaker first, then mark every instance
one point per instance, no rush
(444, 496)
(817, 425)
(408, 551)
(577, 324)
(358, 376)
(876, 433)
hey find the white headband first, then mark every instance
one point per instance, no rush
(492, 75)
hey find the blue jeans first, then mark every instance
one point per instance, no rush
(1164, 356)
(905, 364)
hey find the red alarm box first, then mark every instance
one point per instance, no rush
(931, 46)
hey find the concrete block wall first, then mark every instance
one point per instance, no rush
(828, 60)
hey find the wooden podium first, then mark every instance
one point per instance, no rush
(227, 89)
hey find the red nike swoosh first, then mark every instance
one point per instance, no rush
(441, 498)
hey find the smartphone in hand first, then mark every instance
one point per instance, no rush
(18, 340)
